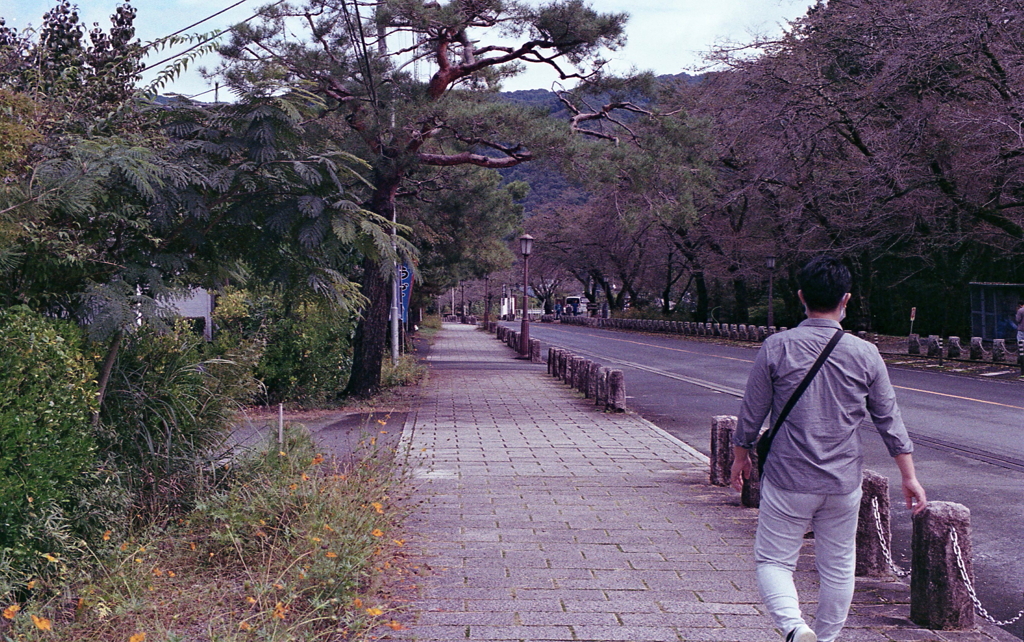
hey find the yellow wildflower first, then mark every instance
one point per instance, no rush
(42, 623)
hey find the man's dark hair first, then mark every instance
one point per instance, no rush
(824, 281)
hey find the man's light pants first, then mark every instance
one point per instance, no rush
(784, 518)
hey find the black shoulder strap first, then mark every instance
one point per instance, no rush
(807, 381)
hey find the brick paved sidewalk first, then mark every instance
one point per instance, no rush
(544, 519)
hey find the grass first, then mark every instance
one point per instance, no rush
(295, 548)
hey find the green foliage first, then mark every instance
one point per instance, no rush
(307, 358)
(304, 350)
(58, 64)
(463, 232)
(162, 420)
(17, 131)
(47, 395)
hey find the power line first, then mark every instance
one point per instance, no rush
(207, 40)
(196, 24)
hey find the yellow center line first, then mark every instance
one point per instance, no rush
(703, 354)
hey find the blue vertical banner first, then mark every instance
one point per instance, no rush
(405, 290)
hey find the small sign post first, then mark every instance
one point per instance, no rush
(913, 315)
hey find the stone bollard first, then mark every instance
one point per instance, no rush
(722, 429)
(616, 391)
(570, 366)
(938, 596)
(601, 398)
(998, 350)
(751, 494)
(591, 392)
(535, 350)
(580, 374)
(953, 347)
(582, 371)
(734, 331)
(870, 544)
(551, 359)
(977, 351)
(563, 359)
(934, 349)
(914, 344)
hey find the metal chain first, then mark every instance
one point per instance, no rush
(955, 539)
(883, 541)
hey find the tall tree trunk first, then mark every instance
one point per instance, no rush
(702, 297)
(371, 335)
(741, 312)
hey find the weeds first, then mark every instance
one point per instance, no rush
(406, 372)
(294, 548)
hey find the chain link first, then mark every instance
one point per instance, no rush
(884, 542)
(955, 539)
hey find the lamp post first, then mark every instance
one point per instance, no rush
(769, 263)
(525, 247)
(487, 301)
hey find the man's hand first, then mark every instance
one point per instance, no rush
(914, 492)
(741, 467)
(912, 489)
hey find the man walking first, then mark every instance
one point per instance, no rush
(812, 474)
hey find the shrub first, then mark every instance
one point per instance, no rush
(47, 396)
(163, 419)
(305, 354)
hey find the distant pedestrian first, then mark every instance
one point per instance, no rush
(1020, 324)
(812, 474)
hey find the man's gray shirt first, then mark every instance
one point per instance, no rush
(817, 448)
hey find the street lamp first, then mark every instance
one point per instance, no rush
(487, 301)
(525, 248)
(769, 263)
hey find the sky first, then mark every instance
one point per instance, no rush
(665, 36)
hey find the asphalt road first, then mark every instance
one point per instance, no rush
(968, 433)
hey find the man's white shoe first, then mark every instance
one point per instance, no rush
(802, 633)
